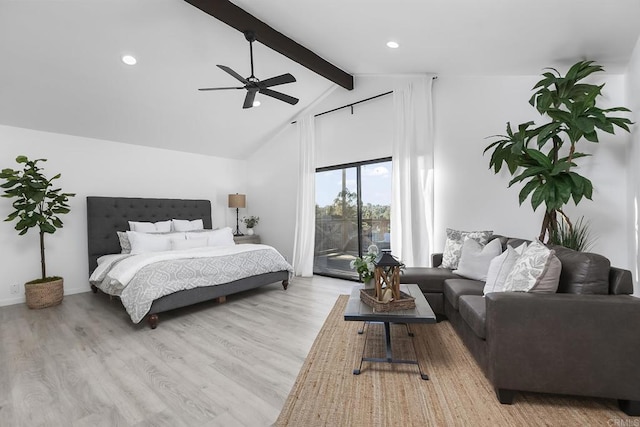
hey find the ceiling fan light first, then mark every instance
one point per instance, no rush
(129, 60)
(256, 103)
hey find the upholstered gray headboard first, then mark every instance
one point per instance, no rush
(106, 215)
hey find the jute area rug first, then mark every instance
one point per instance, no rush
(326, 393)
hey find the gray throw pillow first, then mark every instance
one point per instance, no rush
(475, 258)
(453, 245)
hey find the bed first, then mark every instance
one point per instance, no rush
(108, 215)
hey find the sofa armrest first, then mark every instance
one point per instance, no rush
(436, 260)
(564, 343)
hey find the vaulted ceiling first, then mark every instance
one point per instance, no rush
(60, 67)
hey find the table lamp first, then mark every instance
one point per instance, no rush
(237, 201)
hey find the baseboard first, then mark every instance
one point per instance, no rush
(20, 299)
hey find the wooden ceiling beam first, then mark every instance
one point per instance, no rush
(241, 20)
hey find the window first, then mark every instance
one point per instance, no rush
(353, 209)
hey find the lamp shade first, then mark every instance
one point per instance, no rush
(237, 200)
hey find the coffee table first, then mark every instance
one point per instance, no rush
(360, 312)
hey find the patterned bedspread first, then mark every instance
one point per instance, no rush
(181, 270)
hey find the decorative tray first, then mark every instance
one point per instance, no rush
(406, 301)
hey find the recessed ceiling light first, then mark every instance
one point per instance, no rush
(393, 45)
(256, 103)
(129, 60)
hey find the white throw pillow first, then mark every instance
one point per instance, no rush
(530, 269)
(453, 245)
(475, 258)
(150, 227)
(219, 237)
(186, 225)
(181, 244)
(149, 242)
(500, 267)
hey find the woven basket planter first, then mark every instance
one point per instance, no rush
(43, 295)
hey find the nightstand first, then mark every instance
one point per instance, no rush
(246, 239)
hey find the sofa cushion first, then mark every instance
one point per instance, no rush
(582, 272)
(429, 280)
(473, 309)
(453, 245)
(475, 258)
(455, 288)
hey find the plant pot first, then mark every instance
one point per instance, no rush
(44, 294)
(249, 231)
(370, 284)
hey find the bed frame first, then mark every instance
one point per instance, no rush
(106, 215)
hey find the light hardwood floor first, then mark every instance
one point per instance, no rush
(84, 363)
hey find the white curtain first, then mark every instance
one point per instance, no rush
(412, 177)
(306, 207)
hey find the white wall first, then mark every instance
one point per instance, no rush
(633, 160)
(468, 195)
(91, 167)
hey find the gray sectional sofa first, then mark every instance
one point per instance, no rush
(582, 340)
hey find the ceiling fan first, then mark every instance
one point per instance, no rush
(254, 85)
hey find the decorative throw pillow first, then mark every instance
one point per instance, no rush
(475, 258)
(500, 267)
(149, 242)
(453, 245)
(181, 244)
(550, 279)
(125, 245)
(529, 270)
(186, 225)
(150, 227)
(219, 237)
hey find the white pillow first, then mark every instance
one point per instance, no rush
(150, 227)
(149, 242)
(186, 225)
(530, 268)
(453, 245)
(500, 267)
(475, 258)
(181, 244)
(220, 237)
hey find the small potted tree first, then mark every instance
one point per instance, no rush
(37, 204)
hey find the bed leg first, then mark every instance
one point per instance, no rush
(221, 300)
(153, 321)
(285, 284)
(94, 289)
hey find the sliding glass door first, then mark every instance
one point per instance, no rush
(353, 208)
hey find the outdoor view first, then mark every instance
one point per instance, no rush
(339, 239)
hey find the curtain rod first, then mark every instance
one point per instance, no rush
(354, 103)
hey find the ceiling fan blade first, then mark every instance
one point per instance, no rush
(233, 73)
(251, 96)
(279, 80)
(281, 96)
(221, 88)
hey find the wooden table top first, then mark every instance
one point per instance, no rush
(358, 311)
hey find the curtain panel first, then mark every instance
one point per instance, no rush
(412, 176)
(305, 208)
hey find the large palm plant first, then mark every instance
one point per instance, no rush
(543, 157)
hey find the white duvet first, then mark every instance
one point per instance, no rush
(140, 279)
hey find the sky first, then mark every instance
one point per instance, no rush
(376, 184)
